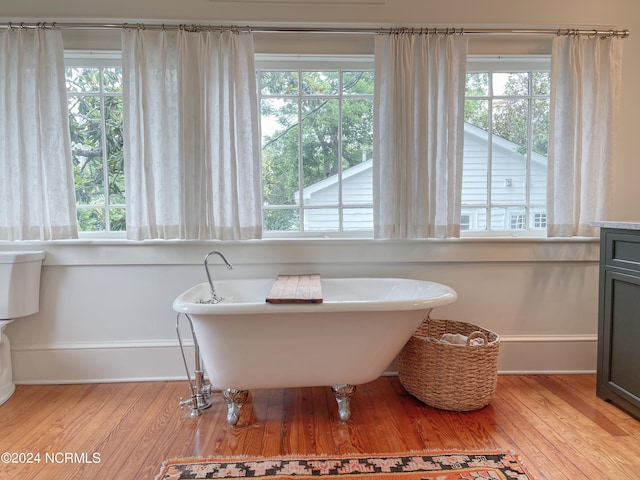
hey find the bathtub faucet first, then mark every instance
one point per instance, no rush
(214, 296)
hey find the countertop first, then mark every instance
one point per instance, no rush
(617, 224)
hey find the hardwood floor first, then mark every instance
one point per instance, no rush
(125, 431)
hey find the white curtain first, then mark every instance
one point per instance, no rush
(419, 134)
(37, 200)
(192, 145)
(585, 94)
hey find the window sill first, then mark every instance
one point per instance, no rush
(315, 251)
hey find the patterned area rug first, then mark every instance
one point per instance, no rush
(409, 466)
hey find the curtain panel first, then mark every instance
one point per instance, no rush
(36, 179)
(418, 134)
(192, 147)
(585, 95)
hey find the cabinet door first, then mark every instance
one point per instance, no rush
(620, 368)
(622, 250)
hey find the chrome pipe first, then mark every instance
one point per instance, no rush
(214, 296)
(200, 391)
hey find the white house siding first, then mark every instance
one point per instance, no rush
(508, 189)
(508, 181)
(356, 193)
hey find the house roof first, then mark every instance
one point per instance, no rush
(333, 179)
(471, 130)
(502, 143)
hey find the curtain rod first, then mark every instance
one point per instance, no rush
(594, 32)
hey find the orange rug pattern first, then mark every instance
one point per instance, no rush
(409, 466)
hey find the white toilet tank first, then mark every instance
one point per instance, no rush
(20, 283)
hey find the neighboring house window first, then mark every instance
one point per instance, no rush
(539, 220)
(465, 222)
(506, 140)
(94, 93)
(317, 144)
(518, 221)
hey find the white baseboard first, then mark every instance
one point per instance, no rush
(153, 361)
(548, 354)
(100, 362)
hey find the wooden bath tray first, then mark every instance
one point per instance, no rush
(296, 289)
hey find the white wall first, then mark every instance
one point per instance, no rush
(106, 307)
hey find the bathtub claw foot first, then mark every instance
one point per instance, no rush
(343, 394)
(235, 400)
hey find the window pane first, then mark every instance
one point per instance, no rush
(112, 79)
(321, 220)
(81, 80)
(279, 151)
(477, 84)
(474, 219)
(510, 83)
(508, 218)
(357, 83)
(474, 179)
(465, 222)
(538, 180)
(281, 220)
(85, 118)
(517, 221)
(510, 122)
(320, 83)
(540, 126)
(508, 184)
(541, 83)
(279, 83)
(476, 113)
(498, 218)
(357, 131)
(91, 220)
(117, 220)
(278, 116)
(357, 219)
(538, 219)
(89, 180)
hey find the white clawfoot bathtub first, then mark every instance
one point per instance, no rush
(348, 339)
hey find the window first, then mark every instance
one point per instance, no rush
(94, 93)
(539, 220)
(518, 221)
(465, 222)
(306, 112)
(506, 140)
(317, 145)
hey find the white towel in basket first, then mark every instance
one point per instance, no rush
(459, 339)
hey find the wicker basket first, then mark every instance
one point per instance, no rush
(447, 376)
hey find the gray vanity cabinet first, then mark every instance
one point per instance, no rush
(618, 371)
